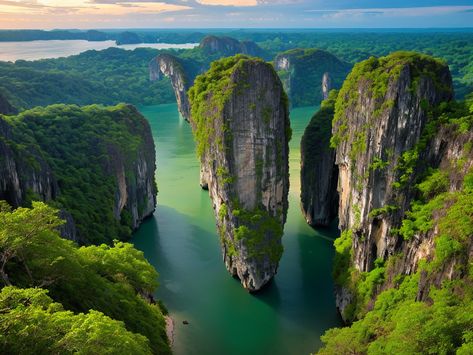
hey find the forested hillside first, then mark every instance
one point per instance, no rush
(96, 163)
(107, 77)
(403, 263)
(115, 75)
(59, 298)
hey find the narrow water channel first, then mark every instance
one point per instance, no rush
(180, 240)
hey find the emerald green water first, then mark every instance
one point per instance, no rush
(180, 240)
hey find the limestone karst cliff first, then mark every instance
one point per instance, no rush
(381, 131)
(307, 73)
(5, 107)
(319, 174)
(419, 299)
(227, 46)
(404, 151)
(241, 125)
(96, 164)
(182, 71)
(381, 113)
(181, 80)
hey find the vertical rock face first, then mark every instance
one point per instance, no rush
(227, 46)
(23, 171)
(112, 149)
(303, 70)
(25, 175)
(450, 154)
(171, 67)
(319, 174)
(135, 189)
(379, 129)
(241, 126)
(382, 113)
(326, 85)
(5, 107)
(141, 189)
(182, 72)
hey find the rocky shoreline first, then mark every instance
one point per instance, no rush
(170, 329)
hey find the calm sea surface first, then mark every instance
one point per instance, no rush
(180, 240)
(33, 50)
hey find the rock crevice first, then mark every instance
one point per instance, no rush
(319, 174)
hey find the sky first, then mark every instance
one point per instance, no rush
(97, 14)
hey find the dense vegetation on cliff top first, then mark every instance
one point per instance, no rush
(80, 144)
(378, 73)
(389, 312)
(59, 298)
(208, 96)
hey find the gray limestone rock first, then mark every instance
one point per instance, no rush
(319, 174)
(241, 123)
(382, 111)
(171, 67)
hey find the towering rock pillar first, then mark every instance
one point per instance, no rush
(383, 117)
(241, 125)
(171, 67)
(319, 174)
(383, 110)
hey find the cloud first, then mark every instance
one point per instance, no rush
(234, 13)
(31, 7)
(279, 2)
(23, 4)
(126, 8)
(94, 7)
(239, 3)
(394, 11)
(189, 3)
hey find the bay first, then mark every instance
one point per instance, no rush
(180, 240)
(34, 50)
